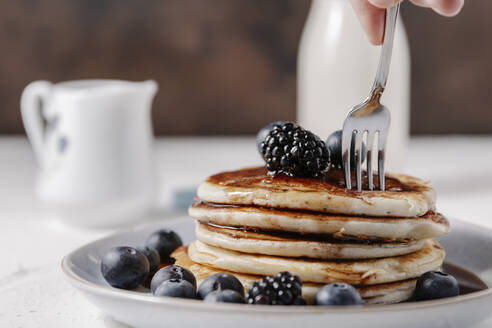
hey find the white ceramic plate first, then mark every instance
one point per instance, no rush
(467, 245)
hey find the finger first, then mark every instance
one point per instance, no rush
(443, 7)
(371, 18)
(383, 4)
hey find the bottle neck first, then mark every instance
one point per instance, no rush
(324, 9)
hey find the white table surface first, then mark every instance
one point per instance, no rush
(32, 290)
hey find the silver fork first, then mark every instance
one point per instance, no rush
(370, 116)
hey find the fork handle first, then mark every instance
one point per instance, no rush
(385, 57)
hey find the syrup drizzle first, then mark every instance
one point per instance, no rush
(468, 281)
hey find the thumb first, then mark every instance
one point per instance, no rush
(383, 4)
(371, 18)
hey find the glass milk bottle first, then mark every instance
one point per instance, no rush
(336, 68)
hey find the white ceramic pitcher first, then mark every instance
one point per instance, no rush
(93, 141)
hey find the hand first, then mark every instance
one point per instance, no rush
(371, 13)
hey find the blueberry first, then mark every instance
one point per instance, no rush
(153, 256)
(220, 281)
(334, 145)
(260, 136)
(171, 272)
(124, 267)
(338, 294)
(224, 296)
(176, 288)
(165, 242)
(435, 284)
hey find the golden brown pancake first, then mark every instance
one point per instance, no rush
(372, 294)
(429, 225)
(404, 196)
(280, 244)
(354, 272)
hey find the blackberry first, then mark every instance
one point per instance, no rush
(291, 150)
(261, 135)
(283, 289)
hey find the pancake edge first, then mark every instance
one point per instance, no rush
(262, 243)
(388, 293)
(430, 225)
(359, 272)
(399, 204)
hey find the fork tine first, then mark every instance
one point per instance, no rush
(370, 140)
(346, 143)
(381, 155)
(381, 169)
(358, 158)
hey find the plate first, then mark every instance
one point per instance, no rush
(467, 245)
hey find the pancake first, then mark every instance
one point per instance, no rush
(404, 196)
(429, 225)
(357, 272)
(372, 294)
(297, 246)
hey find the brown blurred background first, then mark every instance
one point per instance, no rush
(229, 66)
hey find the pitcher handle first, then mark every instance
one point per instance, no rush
(32, 99)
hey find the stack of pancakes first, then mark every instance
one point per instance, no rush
(252, 224)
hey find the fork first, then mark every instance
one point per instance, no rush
(370, 117)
